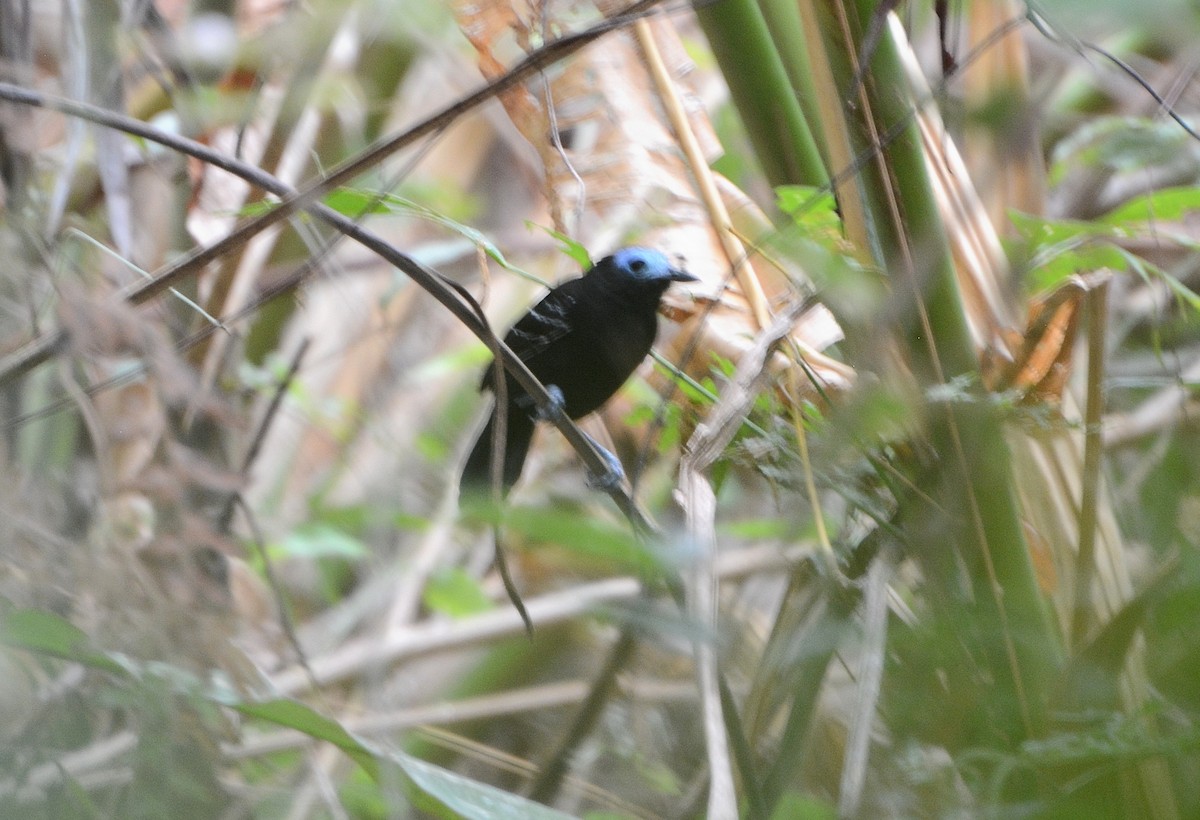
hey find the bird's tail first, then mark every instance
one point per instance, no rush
(477, 472)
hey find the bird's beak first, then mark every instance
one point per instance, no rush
(678, 275)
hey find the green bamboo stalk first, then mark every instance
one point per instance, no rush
(762, 92)
(974, 483)
(787, 33)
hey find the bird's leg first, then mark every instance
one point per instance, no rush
(609, 480)
(557, 406)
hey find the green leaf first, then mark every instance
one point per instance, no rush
(470, 356)
(452, 592)
(471, 799)
(1066, 262)
(816, 243)
(568, 245)
(466, 797)
(358, 202)
(1059, 249)
(606, 542)
(409, 521)
(320, 540)
(1168, 205)
(1146, 270)
(48, 634)
(812, 207)
(795, 806)
(1120, 144)
(391, 203)
(1041, 232)
(41, 631)
(433, 448)
(292, 714)
(757, 528)
(349, 517)
(658, 775)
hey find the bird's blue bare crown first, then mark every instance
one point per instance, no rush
(647, 265)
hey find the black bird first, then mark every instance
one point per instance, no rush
(583, 340)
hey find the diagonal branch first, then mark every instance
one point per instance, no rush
(462, 306)
(42, 348)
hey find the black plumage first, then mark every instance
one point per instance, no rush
(585, 337)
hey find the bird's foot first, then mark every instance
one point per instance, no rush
(557, 406)
(612, 477)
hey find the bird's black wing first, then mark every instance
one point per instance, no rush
(544, 324)
(547, 324)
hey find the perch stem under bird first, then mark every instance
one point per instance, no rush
(583, 340)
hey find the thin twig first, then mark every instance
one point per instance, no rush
(260, 435)
(353, 657)
(510, 586)
(537, 698)
(1093, 448)
(550, 777)
(286, 623)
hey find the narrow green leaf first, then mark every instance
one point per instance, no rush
(589, 538)
(320, 540)
(568, 245)
(1145, 270)
(292, 714)
(50, 634)
(808, 205)
(470, 798)
(452, 592)
(1120, 144)
(1168, 205)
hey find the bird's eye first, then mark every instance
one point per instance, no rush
(637, 265)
